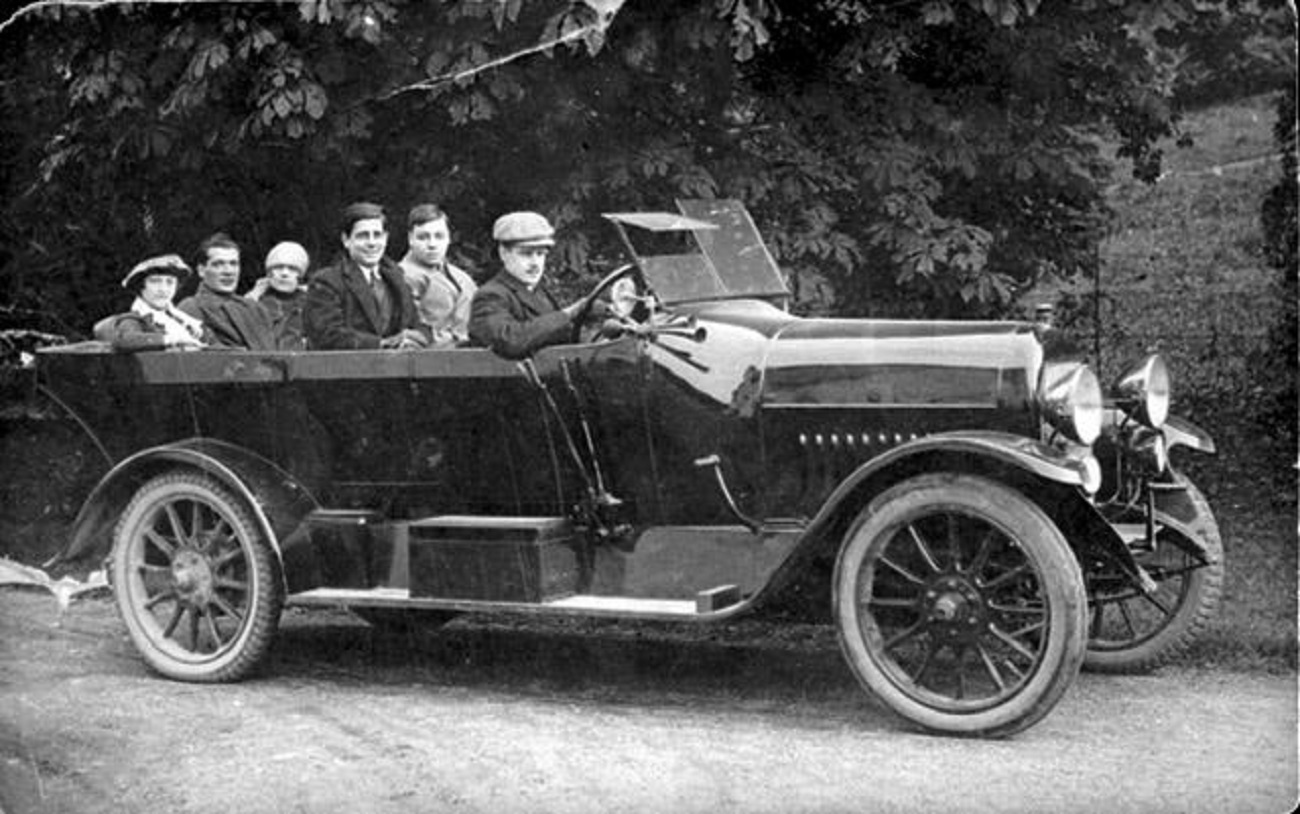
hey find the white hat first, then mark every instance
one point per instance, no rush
(162, 264)
(288, 254)
(523, 229)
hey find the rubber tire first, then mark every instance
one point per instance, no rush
(1197, 607)
(255, 634)
(1042, 543)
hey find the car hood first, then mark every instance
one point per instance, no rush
(758, 354)
(887, 363)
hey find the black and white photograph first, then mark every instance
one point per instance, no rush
(668, 406)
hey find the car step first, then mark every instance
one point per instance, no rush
(713, 603)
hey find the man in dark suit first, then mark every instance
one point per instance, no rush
(231, 320)
(512, 313)
(362, 300)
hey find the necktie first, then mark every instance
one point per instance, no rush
(381, 299)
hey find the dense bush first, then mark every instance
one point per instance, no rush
(916, 158)
(1228, 51)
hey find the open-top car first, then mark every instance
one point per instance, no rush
(991, 521)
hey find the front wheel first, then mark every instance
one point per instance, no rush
(196, 582)
(960, 605)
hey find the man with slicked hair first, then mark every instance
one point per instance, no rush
(362, 301)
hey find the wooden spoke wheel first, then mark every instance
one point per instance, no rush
(960, 605)
(196, 583)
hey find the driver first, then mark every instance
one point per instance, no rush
(513, 314)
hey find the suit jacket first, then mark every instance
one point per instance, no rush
(513, 321)
(342, 313)
(442, 297)
(231, 320)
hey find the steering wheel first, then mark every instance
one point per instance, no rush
(600, 288)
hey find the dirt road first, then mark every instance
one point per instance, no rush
(486, 717)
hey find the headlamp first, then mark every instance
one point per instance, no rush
(1071, 402)
(1150, 448)
(1142, 391)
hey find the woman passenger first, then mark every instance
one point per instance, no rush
(282, 293)
(153, 323)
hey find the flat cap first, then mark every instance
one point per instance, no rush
(523, 228)
(162, 264)
(288, 253)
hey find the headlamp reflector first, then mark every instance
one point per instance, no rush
(1071, 401)
(1143, 390)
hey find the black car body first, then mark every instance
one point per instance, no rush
(992, 524)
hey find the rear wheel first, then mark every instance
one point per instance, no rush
(960, 605)
(196, 582)
(1134, 632)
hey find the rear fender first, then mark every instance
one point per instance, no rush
(277, 501)
(1046, 475)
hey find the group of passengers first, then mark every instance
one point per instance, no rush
(364, 300)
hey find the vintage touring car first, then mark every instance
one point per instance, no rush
(990, 520)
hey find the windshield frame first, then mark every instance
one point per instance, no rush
(730, 261)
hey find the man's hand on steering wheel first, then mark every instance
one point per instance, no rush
(580, 310)
(577, 308)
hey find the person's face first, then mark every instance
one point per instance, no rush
(526, 264)
(366, 242)
(429, 241)
(221, 270)
(158, 290)
(283, 278)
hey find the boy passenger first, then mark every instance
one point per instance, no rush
(442, 291)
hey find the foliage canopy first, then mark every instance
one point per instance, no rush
(912, 157)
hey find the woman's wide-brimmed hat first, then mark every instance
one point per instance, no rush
(162, 264)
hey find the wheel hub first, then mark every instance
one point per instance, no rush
(948, 607)
(192, 576)
(954, 607)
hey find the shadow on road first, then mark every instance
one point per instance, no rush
(611, 662)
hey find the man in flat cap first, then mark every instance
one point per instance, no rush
(231, 320)
(362, 301)
(513, 314)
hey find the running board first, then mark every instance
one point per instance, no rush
(712, 604)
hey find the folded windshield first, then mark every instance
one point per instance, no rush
(710, 251)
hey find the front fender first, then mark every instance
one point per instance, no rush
(1022, 462)
(1046, 475)
(1179, 432)
(1039, 459)
(277, 501)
